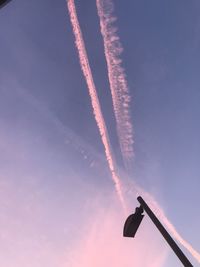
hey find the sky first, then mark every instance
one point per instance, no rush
(58, 200)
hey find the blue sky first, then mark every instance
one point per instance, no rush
(53, 167)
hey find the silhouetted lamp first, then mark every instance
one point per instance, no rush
(133, 222)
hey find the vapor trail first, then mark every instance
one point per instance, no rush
(84, 62)
(121, 98)
(117, 78)
(120, 103)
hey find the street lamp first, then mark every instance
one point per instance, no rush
(133, 222)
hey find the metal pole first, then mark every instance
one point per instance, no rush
(165, 234)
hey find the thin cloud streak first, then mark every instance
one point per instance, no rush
(183, 242)
(117, 78)
(84, 62)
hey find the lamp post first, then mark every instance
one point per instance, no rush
(133, 222)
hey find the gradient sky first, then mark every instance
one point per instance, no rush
(57, 199)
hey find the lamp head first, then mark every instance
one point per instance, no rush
(133, 222)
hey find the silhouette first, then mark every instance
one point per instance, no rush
(133, 221)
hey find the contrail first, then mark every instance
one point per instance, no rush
(121, 97)
(84, 62)
(121, 100)
(117, 78)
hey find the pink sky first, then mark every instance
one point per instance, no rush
(102, 243)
